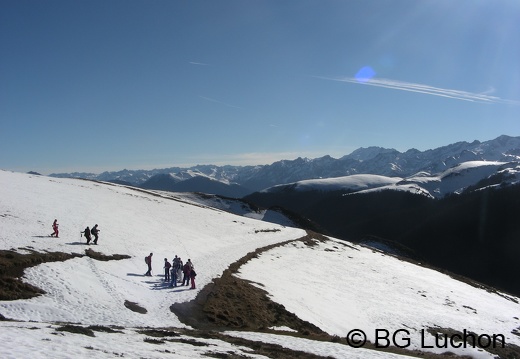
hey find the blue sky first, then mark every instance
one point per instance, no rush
(107, 85)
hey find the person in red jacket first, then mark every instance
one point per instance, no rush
(55, 228)
(192, 277)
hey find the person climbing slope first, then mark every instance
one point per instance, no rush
(95, 233)
(86, 232)
(148, 261)
(55, 228)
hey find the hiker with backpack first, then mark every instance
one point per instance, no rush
(94, 231)
(148, 261)
(86, 232)
(167, 267)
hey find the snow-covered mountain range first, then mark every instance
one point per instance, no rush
(317, 296)
(410, 165)
(454, 180)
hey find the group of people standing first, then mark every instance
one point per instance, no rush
(179, 270)
(88, 233)
(175, 272)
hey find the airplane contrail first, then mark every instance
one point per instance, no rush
(198, 63)
(217, 101)
(425, 89)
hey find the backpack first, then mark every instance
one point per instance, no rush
(146, 259)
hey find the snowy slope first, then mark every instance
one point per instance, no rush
(345, 183)
(132, 222)
(453, 180)
(334, 285)
(234, 206)
(401, 187)
(341, 287)
(459, 177)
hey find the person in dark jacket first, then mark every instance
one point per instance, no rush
(186, 270)
(86, 232)
(95, 232)
(167, 266)
(176, 263)
(148, 261)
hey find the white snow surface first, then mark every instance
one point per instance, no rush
(232, 206)
(370, 291)
(457, 178)
(335, 285)
(345, 183)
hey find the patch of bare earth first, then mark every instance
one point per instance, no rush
(232, 303)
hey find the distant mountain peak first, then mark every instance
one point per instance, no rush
(365, 160)
(368, 153)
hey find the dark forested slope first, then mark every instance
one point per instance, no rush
(475, 234)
